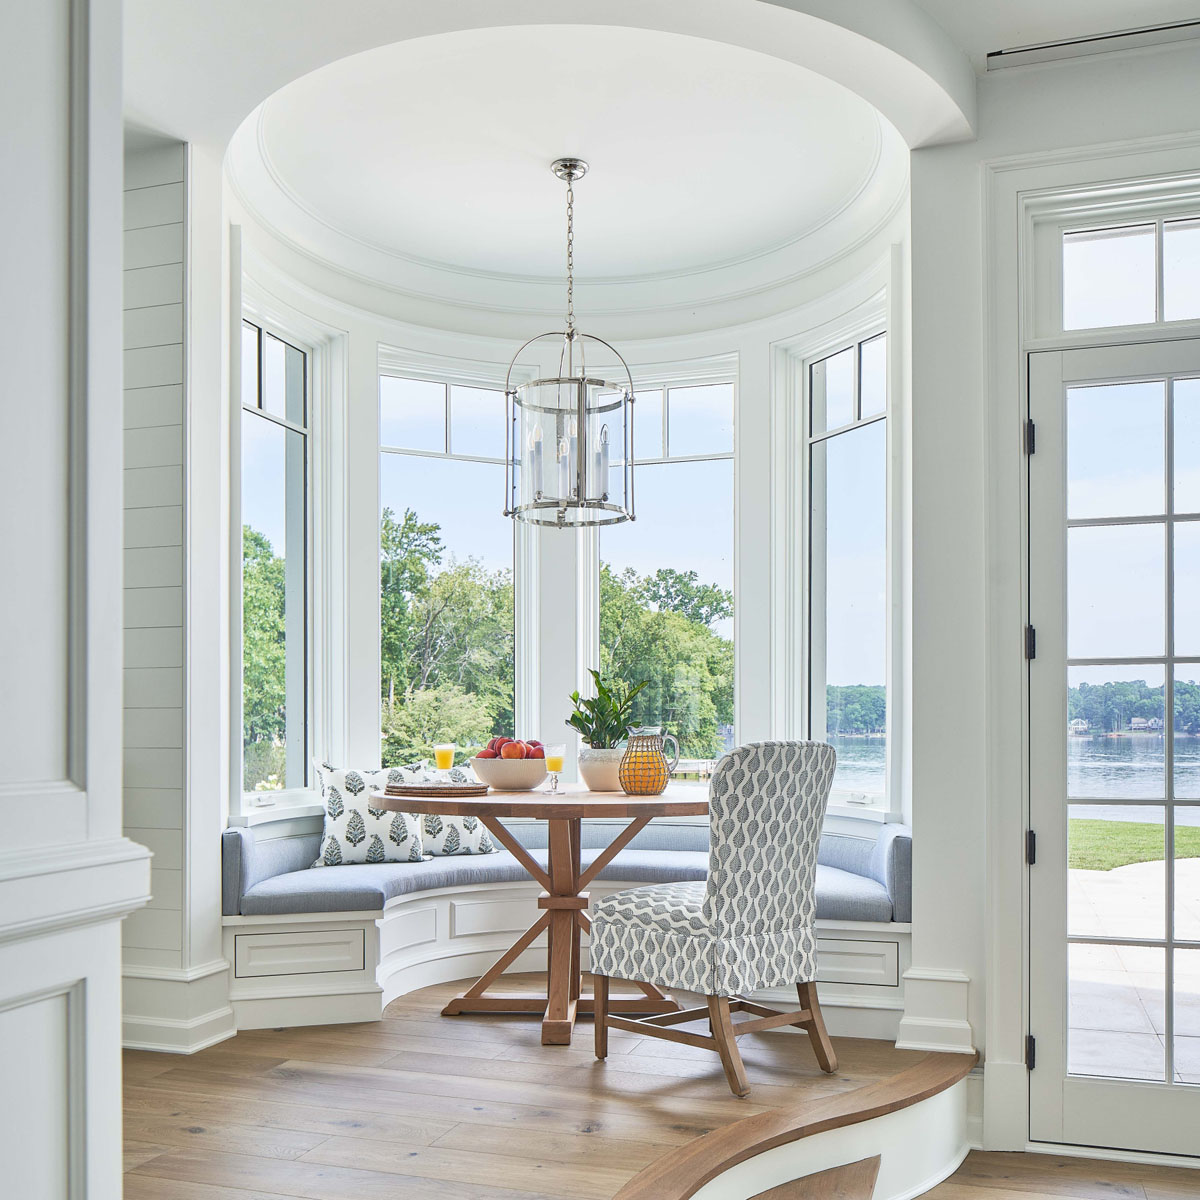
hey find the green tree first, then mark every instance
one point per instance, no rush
(408, 550)
(689, 667)
(264, 674)
(682, 592)
(414, 722)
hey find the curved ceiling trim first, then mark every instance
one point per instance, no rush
(196, 71)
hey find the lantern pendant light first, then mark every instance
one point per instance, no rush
(569, 433)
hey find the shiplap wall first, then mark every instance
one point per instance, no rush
(154, 525)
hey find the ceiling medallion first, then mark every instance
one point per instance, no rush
(569, 436)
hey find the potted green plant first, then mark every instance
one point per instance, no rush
(602, 721)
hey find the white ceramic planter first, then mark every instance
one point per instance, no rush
(600, 768)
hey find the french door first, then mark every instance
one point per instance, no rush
(1114, 574)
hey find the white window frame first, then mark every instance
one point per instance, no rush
(325, 684)
(1052, 214)
(792, 362)
(401, 363)
(704, 372)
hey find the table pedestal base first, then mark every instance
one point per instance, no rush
(564, 920)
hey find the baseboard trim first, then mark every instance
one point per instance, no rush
(173, 1035)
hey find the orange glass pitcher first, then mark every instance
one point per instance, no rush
(645, 770)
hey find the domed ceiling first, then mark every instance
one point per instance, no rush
(424, 166)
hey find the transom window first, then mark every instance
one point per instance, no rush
(275, 562)
(847, 594)
(1134, 274)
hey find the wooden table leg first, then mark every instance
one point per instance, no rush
(561, 989)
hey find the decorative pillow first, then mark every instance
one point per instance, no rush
(357, 832)
(456, 835)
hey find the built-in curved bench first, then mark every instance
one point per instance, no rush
(311, 945)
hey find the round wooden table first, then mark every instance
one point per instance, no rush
(565, 899)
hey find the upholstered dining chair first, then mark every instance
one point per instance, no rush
(749, 926)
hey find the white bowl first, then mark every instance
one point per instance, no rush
(510, 774)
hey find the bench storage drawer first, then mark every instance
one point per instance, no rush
(318, 952)
(843, 960)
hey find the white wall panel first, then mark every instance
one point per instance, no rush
(34, 1047)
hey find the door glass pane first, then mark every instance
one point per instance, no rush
(412, 415)
(477, 422)
(700, 420)
(849, 605)
(1187, 1016)
(1181, 270)
(1187, 588)
(873, 376)
(1187, 875)
(1109, 277)
(1115, 739)
(1187, 445)
(832, 391)
(666, 605)
(1116, 992)
(1116, 878)
(1187, 732)
(1115, 591)
(1115, 465)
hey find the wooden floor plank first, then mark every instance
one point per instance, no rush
(463, 1166)
(136, 1152)
(271, 1115)
(221, 1135)
(317, 1181)
(854, 1181)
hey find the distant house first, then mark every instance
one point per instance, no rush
(1145, 724)
(1077, 726)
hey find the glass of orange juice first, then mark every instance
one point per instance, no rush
(443, 756)
(554, 763)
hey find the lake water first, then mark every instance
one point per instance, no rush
(1131, 767)
(1098, 768)
(861, 763)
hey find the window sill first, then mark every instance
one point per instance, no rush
(289, 806)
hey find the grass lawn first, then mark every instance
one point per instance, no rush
(1102, 845)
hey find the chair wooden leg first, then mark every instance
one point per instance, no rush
(817, 1033)
(600, 1012)
(721, 1024)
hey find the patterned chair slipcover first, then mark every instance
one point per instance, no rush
(750, 925)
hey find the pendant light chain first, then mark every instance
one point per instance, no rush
(570, 259)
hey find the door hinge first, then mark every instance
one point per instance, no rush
(1030, 642)
(1030, 847)
(1030, 438)
(1030, 1052)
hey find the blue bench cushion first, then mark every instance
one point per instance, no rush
(363, 887)
(841, 895)
(858, 879)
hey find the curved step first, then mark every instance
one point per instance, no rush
(682, 1173)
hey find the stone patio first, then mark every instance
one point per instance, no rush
(1117, 1011)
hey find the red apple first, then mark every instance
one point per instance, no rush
(487, 754)
(512, 750)
(535, 751)
(533, 742)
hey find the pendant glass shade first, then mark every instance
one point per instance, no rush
(569, 459)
